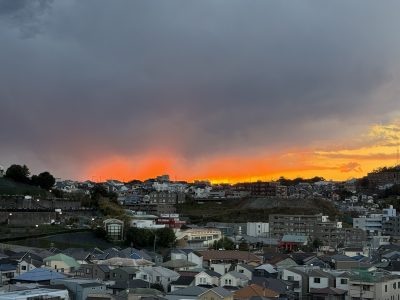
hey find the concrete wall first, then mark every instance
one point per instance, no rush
(21, 218)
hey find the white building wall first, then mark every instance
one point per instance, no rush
(256, 229)
(323, 283)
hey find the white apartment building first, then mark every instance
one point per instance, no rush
(372, 223)
(257, 229)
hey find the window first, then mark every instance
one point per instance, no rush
(343, 281)
(23, 268)
(62, 270)
(114, 275)
(158, 278)
(55, 267)
(385, 288)
(394, 285)
(87, 271)
(145, 277)
(317, 280)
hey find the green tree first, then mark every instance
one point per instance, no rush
(99, 191)
(165, 237)
(224, 243)
(317, 243)
(18, 173)
(139, 237)
(45, 180)
(142, 238)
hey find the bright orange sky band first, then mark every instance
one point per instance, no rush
(377, 148)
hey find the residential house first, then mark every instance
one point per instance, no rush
(189, 255)
(329, 293)
(182, 282)
(121, 285)
(254, 290)
(266, 270)
(26, 261)
(374, 285)
(299, 279)
(62, 263)
(179, 265)
(246, 270)
(94, 271)
(191, 292)
(285, 289)
(116, 262)
(234, 278)
(318, 279)
(229, 257)
(8, 270)
(207, 278)
(158, 275)
(217, 293)
(342, 280)
(222, 267)
(123, 273)
(80, 288)
(38, 275)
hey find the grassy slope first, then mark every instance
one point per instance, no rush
(9, 187)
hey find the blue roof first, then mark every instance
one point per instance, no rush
(135, 255)
(294, 238)
(7, 267)
(40, 274)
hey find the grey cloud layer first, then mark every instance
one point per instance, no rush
(198, 77)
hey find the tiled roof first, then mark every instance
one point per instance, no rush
(40, 274)
(254, 290)
(229, 255)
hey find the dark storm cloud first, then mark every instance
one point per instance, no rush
(24, 14)
(198, 77)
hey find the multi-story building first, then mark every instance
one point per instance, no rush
(371, 224)
(206, 235)
(256, 229)
(263, 189)
(374, 285)
(280, 224)
(165, 197)
(170, 220)
(315, 227)
(391, 227)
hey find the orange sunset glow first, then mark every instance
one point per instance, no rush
(376, 148)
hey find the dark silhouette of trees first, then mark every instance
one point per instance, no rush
(18, 173)
(45, 180)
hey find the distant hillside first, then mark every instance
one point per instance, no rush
(10, 187)
(254, 209)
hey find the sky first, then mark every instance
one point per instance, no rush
(224, 90)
